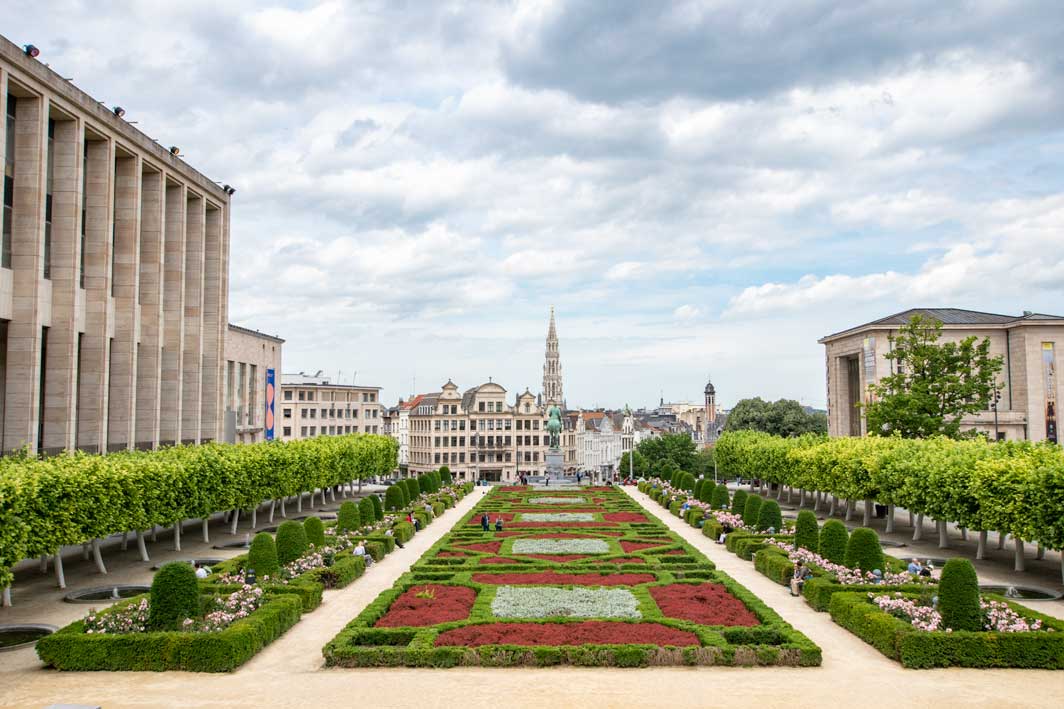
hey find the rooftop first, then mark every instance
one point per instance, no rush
(948, 317)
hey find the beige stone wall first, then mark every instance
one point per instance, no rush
(248, 355)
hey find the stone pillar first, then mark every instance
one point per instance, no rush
(192, 370)
(213, 333)
(149, 363)
(95, 347)
(173, 314)
(61, 364)
(122, 380)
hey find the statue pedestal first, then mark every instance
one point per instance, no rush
(555, 461)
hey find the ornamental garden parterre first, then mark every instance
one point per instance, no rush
(582, 577)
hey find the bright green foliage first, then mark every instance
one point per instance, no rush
(315, 531)
(367, 511)
(863, 550)
(348, 518)
(445, 476)
(833, 539)
(262, 556)
(378, 507)
(394, 498)
(934, 386)
(719, 500)
(806, 531)
(769, 517)
(676, 448)
(687, 482)
(174, 596)
(751, 510)
(638, 467)
(697, 492)
(958, 596)
(738, 503)
(291, 541)
(785, 418)
(703, 463)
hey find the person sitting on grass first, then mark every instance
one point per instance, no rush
(927, 569)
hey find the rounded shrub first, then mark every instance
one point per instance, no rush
(806, 531)
(751, 510)
(958, 596)
(697, 492)
(378, 508)
(394, 499)
(769, 517)
(833, 538)
(738, 503)
(863, 550)
(445, 476)
(412, 489)
(262, 556)
(349, 517)
(706, 493)
(315, 531)
(291, 541)
(366, 511)
(174, 596)
(719, 500)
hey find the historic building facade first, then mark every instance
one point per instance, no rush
(1030, 390)
(251, 376)
(552, 368)
(311, 405)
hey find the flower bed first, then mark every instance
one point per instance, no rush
(558, 557)
(560, 546)
(553, 578)
(624, 517)
(558, 500)
(550, 602)
(556, 517)
(639, 546)
(486, 547)
(595, 632)
(429, 605)
(703, 603)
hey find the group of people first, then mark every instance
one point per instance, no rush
(917, 569)
(485, 523)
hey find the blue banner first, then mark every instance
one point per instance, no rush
(270, 396)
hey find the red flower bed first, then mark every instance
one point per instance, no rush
(674, 552)
(600, 488)
(552, 578)
(545, 525)
(627, 560)
(492, 516)
(496, 560)
(636, 546)
(559, 535)
(487, 547)
(563, 535)
(624, 517)
(704, 603)
(449, 603)
(514, 488)
(449, 554)
(554, 508)
(592, 631)
(557, 557)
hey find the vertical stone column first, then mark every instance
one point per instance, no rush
(192, 370)
(99, 202)
(122, 381)
(149, 364)
(27, 244)
(213, 341)
(173, 314)
(61, 363)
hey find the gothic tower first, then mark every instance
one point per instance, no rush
(552, 368)
(711, 412)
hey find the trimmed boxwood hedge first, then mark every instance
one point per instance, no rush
(71, 648)
(174, 596)
(916, 649)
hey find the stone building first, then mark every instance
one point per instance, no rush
(113, 276)
(552, 368)
(311, 405)
(1030, 390)
(252, 375)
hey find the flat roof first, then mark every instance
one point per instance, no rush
(254, 333)
(949, 317)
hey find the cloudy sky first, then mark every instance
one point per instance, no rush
(699, 190)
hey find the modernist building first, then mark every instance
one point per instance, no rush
(310, 405)
(1030, 391)
(113, 276)
(252, 366)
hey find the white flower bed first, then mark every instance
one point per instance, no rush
(558, 500)
(550, 602)
(561, 546)
(558, 517)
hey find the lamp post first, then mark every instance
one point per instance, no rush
(994, 406)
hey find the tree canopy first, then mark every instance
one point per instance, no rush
(675, 447)
(785, 417)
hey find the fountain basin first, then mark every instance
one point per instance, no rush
(233, 545)
(891, 543)
(106, 594)
(15, 636)
(1021, 593)
(202, 562)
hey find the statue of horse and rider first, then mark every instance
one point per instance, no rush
(554, 426)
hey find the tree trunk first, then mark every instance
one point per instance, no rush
(299, 502)
(154, 533)
(980, 549)
(1062, 566)
(779, 493)
(6, 602)
(84, 551)
(1002, 538)
(283, 513)
(918, 528)
(816, 501)
(235, 522)
(97, 557)
(964, 534)
(1018, 544)
(206, 529)
(890, 519)
(273, 503)
(831, 506)
(254, 517)
(177, 535)
(1041, 553)
(867, 521)
(943, 534)
(360, 486)
(125, 542)
(60, 577)
(911, 520)
(849, 509)
(44, 563)
(332, 493)
(141, 547)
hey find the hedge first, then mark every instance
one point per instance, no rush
(71, 498)
(863, 550)
(958, 596)
(916, 649)
(71, 648)
(174, 596)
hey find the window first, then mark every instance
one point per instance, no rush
(313, 413)
(9, 182)
(302, 395)
(287, 394)
(437, 441)
(310, 396)
(302, 413)
(313, 430)
(354, 413)
(324, 413)
(303, 431)
(535, 425)
(287, 431)
(461, 457)
(480, 407)
(49, 181)
(437, 457)
(288, 413)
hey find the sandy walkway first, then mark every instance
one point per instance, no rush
(289, 673)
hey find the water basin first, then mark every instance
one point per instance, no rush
(19, 635)
(202, 562)
(1021, 593)
(104, 594)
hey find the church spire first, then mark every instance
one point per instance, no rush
(552, 367)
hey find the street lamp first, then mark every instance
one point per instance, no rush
(994, 405)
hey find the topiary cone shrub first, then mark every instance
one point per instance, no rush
(349, 518)
(394, 499)
(706, 493)
(719, 500)
(697, 491)
(863, 550)
(738, 503)
(833, 538)
(378, 508)
(806, 531)
(174, 596)
(445, 475)
(770, 517)
(366, 511)
(751, 510)
(262, 556)
(958, 596)
(291, 542)
(414, 488)
(315, 531)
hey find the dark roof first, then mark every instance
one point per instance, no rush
(254, 333)
(947, 316)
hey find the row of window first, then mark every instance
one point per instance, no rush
(309, 394)
(473, 458)
(331, 413)
(305, 431)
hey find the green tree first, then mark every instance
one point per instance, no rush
(785, 417)
(703, 464)
(769, 516)
(934, 385)
(291, 541)
(314, 530)
(677, 447)
(640, 466)
(752, 509)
